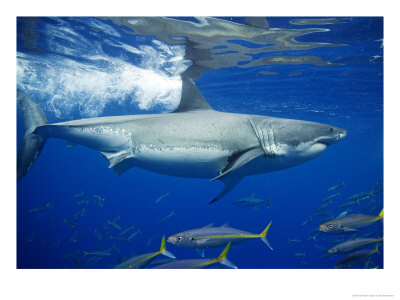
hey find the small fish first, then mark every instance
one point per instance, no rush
(40, 208)
(73, 239)
(79, 195)
(100, 201)
(119, 238)
(330, 197)
(353, 244)
(215, 237)
(166, 218)
(314, 237)
(294, 241)
(300, 254)
(126, 230)
(143, 260)
(250, 202)
(307, 221)
(133, 234)
(114, 224)
(71, 224)
(355, 257)
(99, 235)
(151, 239)
(348, 204)
(323, 213)
(357, 196)
(87, 201)
(200, 263)
(269, 202)
(335, 187)
(80, 213)
(319, 209)
(161, 197)
(98, 253)
(350, 223)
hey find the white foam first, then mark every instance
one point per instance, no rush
(89, 79)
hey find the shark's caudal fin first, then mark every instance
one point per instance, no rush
(31, 144)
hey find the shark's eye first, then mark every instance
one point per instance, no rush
(331, 129)
(179, 238)
(330, 226)
(192, 239)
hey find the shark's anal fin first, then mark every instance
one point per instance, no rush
(238, 160)
(191, 98)
(230, 182)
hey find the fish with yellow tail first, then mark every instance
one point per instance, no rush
(200, 263)
(355, 257)
(349, 224)
(215, 237)
(141, 261)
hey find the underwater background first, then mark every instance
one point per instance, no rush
(327, 70)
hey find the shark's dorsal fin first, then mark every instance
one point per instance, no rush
(209, 225)
(259, 22)
(191, 98)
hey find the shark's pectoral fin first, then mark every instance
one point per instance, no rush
(230, 182)
(238, 160)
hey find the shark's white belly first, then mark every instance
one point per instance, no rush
(182, 161)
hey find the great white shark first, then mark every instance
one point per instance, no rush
(193, 141)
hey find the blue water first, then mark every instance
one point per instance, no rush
(87, 67)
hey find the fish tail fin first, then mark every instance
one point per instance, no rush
(376, 249)
(163, 249)
(163, 245)
(263, 236)
(223, 260)
(85, 252)
(31, 144)
(381, 214)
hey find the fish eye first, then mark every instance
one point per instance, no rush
(179, 238)
(191, 238)
(331, 129)
(329, 226)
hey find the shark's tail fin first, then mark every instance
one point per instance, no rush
(31, 144)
